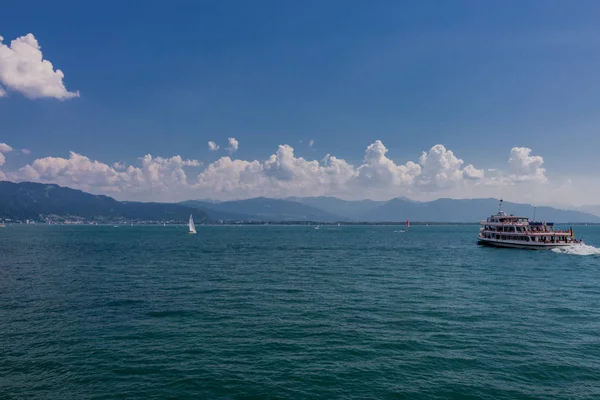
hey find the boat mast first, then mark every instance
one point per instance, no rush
(500, 207)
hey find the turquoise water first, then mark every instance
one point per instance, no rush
(280, 312)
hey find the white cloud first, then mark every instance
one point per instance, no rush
(297, 175)
(442, 169)
(526, 168)
(233, 145)
(438, 173)
(311, 143)
(470, 172)
(227, 178)
(282, 174)
(378, 170)
(3, 92)
(212, 146)
(25, 151)
(156, 175)
(76, 171)
(4, 148)
(24, 70)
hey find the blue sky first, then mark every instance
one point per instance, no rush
(164, 78)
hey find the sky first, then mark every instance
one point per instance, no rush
(168, 101)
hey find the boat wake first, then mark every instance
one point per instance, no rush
(579, 250)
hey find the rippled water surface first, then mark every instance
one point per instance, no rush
(292, 312)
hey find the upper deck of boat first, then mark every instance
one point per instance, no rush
(502, 219)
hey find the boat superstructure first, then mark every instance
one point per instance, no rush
(502, 230)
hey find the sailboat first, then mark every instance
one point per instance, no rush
(407, 223)
(192, 227)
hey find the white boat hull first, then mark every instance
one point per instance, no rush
(513, 244)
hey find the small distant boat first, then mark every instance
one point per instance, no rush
(191, 226)
(317, 227)
(407, 223)
(164, 224)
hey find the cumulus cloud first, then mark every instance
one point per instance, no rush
(298, 175)
(442, 169)
(212, 146)
(154, 174)
(231, 178)
(233, 145)
(379, 171)
(525, 167)
(470, 172)
(3, 92)
(77, 170)
(282, 174)
(4, 148)
(438, 172)
(24, 70)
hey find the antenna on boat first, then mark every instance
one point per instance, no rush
(500, 206)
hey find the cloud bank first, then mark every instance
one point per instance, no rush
(24, 70)
(437, 172)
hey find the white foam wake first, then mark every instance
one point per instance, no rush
(578, 250)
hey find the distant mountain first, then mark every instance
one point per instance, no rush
(35, 201)
(27, 200)
(344, 208)
(329, 209)
(265, 209)
(211, 209)
(590, 209)
(466, 210)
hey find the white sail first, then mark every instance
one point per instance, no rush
(191, 225)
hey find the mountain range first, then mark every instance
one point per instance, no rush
(329, 209)
(265, 209)
(36, 201)
(440, 210)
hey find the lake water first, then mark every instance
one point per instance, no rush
(284, 312)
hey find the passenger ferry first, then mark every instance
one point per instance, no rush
(501, 230)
